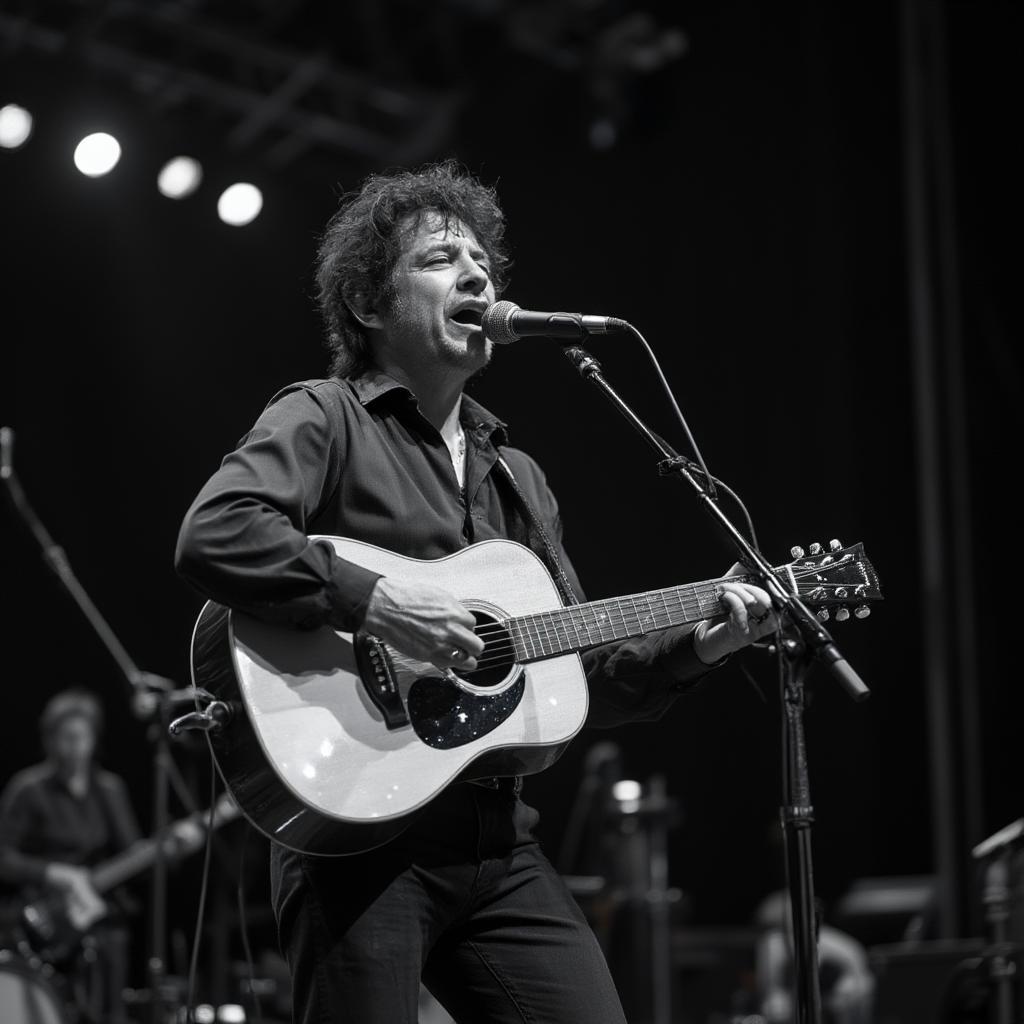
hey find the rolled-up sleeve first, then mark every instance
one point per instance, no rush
(244, 540)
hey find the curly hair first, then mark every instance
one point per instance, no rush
(362, 242)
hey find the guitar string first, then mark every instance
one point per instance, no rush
(573, 618)
(561, 616)
(547, 638)
(655, 594)
(570, 618)
(545, 635)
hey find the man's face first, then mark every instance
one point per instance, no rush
(441, 285)
(73, 743)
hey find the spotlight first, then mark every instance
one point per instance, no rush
(240, 204)
(97, 154)
(627, 789)
(15, 126)
(179, 177)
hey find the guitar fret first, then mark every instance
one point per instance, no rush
(650, 618)
(551, 632)
(540, 633)
(519, 638)
(552, 627)
(636, 615)
(601, 620)
(565, 617)
(578, 627)
(561, 634)
(622, 615)
(574, 618)
(531, 634)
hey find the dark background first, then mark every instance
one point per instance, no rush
(750, 220)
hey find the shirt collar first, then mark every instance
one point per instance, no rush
(374, 384)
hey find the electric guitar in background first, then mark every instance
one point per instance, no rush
(53, 922)
(331, 742)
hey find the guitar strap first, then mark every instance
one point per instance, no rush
(538, 539)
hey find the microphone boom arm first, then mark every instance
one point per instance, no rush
(816, 638)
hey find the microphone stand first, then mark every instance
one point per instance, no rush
(804, 641)
(997, 854)
(152, 697)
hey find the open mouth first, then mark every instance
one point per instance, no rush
(468, 317)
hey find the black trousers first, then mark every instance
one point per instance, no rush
(464, 900)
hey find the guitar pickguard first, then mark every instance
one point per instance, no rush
(444, 716)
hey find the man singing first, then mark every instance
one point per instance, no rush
(390, 451)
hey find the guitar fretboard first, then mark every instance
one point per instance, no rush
(141, 854)
(581, 626)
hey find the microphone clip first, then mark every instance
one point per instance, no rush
(211, 719)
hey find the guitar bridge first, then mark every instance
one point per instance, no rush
(378, 679)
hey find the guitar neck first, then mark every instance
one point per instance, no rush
(141, 854)
(582, 626)
(135, 859)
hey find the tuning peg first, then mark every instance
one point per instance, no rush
(815, 549)
(796, 551)
(817, 594)
(826, 560)
(834, 545)
(823, 615)
(842, 614)
(862, 611)
(841, 592)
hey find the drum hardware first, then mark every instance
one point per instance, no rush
(29, 993)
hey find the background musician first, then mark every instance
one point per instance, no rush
(58, 819)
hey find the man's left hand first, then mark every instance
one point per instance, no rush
(749, 617)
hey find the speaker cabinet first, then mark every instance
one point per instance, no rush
(940, 982)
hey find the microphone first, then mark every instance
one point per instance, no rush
(6, 453)
(504, 322)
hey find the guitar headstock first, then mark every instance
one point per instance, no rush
(837, 577)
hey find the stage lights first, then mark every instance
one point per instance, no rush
(15, 126)
(97, 154)
(179, 177)
(226, 1013)
(240, 204)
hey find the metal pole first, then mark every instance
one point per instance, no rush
(934, 581)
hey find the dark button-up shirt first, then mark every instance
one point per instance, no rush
(43, 822)
(356, 458)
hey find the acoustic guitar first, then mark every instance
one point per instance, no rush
(332, 743)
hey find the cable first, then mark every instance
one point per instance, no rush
(194, 961)
(710, 481)
(244, 928)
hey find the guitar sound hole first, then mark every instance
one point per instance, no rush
(498, 657)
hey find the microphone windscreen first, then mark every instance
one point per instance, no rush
(497, 322)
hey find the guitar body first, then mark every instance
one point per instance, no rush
(332, 743)
(54, 928)
(321, 762)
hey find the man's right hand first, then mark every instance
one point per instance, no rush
(84, 905)
(423, 622)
